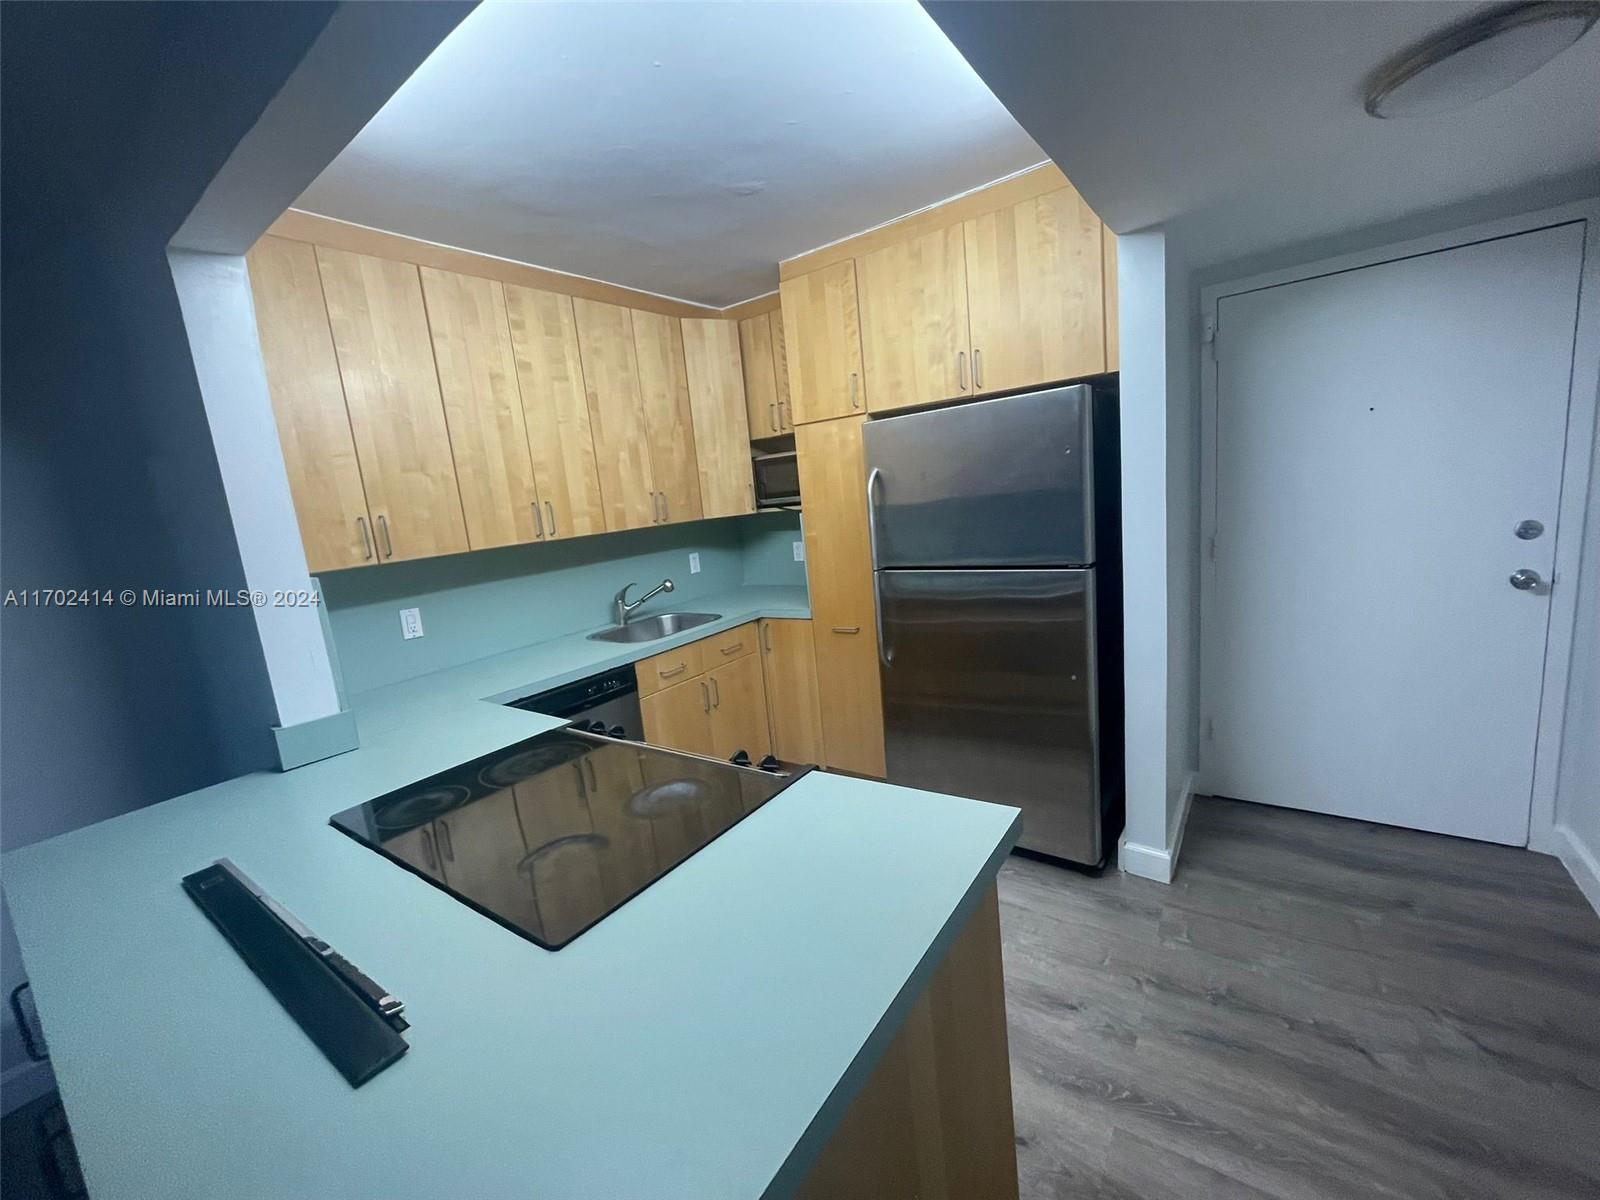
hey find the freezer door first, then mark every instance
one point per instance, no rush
(996, 483)
(988, 692)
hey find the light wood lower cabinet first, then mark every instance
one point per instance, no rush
(391, 389)
(934, 1118)
(739, 708)
(679, 717)
(483, 408)
(721, 431)
(319, 451)
(789, 664)
(839, 567)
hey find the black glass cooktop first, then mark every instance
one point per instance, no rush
(551, 834)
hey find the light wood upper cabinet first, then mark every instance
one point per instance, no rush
(838, 565)
(822, 341)
(544, 342)
(679, 717)
(319, 451)
(739, 709)
(483, 408)
(721, 432)
(914, 332)
(789, 665)
(760, 375)
(616, 413)
(780, 370)
(1108, 258)
(669, 422)
(1034, 292)
(380, 332)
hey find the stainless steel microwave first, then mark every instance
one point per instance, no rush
(777, 479)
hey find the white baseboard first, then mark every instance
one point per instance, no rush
(24, 1083)
(1581, 863)
(1159, 863)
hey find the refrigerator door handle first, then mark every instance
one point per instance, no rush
(885, 654)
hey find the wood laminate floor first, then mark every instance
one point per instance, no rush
(1315, 1008)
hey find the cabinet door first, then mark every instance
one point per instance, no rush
(760, 376)
(822, 341)
(838, 566)
(668, 418)
(739, 709)
(780, 374)
(544, 342)
(482, 408)
(789, 665)
(914, 333)
(380, 331)
(1034, 292)
(616, 414)
(679, 717)
(319, 452)
(721, 433)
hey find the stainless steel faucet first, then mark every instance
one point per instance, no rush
(623, 608)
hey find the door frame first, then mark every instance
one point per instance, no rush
(1583, 382)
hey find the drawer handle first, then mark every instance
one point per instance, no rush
(677, 670)
(733, 649)
(847, 629)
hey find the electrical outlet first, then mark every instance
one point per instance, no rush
(694, 562)
(799, 552)
(410, 623)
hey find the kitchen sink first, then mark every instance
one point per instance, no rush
(648, 629)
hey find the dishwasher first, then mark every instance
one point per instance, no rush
(606, 704)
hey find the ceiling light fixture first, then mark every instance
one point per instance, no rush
(1477, 57)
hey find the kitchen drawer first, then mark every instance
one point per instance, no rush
(670, 667)
(729, 645)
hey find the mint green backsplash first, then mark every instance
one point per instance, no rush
(491, 601)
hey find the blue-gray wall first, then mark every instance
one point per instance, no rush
(115, 117)
(475, 605)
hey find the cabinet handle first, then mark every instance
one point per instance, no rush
(752, 487)
(733, 649)
(666, 508)
(366, 536)
(583, 784)
(383, 528)
(677, 670)
(847, 629)
(716, 693)
(766, 637)
(854, 402)
(446, 845)
(538, 522)
(551, 510)
(594, 780)
(785, 416)
(705, 695)
(961, 370)
(772, 412)
(977, 367)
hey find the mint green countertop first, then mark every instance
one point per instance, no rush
(702, 1041)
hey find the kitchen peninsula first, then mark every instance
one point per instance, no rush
(747, 1026)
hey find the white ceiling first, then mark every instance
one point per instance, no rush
(1243, 121)
(680, 148)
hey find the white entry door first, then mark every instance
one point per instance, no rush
(1381, 436)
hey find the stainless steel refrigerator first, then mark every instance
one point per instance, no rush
(996, 540)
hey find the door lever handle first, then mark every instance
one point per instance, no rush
(1526, 580)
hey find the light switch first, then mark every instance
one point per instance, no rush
(694, 562)
(411, 623)
(799, 552)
